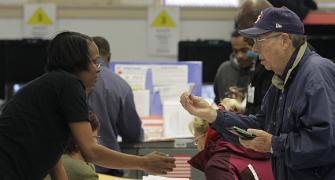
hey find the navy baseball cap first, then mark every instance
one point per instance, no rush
(275, 20)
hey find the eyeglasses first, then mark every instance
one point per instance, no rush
(196, 139)
(96, 137)
(98, 65)
(257, 40)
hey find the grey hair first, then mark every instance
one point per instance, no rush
(297, 39)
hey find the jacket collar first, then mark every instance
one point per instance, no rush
(280, 83)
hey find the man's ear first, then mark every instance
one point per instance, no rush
(287, 42)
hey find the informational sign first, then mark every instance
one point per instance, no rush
(163, 30)
(134, 75)
(39, 20)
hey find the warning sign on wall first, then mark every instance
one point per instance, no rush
(163, 31)
(163, 20)
(40, 17)
(39, 20)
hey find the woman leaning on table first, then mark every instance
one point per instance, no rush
(36, 123)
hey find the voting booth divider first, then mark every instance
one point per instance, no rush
(157, 87)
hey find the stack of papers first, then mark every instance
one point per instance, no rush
(153, 127)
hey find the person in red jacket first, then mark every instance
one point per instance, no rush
(220, 159)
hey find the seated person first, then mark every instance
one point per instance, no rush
(231, 104)
(74, 163)
(220, 159)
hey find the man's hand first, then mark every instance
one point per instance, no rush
(158, 163)
(261, 143)
(197, 106)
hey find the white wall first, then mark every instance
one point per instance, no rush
(127, 36)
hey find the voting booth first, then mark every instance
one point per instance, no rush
(157, 88)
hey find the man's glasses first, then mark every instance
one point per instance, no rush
(258, 40)
(98, 65)
(196, 139)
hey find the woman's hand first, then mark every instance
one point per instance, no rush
(158, 163)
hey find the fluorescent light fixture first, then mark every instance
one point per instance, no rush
(202, 3)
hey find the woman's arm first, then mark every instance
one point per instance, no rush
(153, 163)
(58, 171)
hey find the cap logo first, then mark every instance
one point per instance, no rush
(259, 17)
(278, 26)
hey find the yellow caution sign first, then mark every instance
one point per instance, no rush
(40, 18)
(163, 20)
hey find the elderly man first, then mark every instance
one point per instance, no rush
(296, 122)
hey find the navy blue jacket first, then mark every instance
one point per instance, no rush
(301, 118)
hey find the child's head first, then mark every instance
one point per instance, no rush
(232, 105)
(199, 128)
(71, 146)
(95, 124)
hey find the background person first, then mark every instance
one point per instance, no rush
(261, 78)
(237, 71)
(113, 101)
